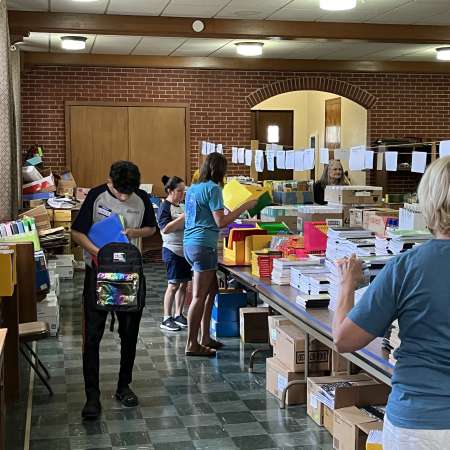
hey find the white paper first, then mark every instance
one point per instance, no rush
(269, 147)
(248, 157)
(204, 148)
(357, 158)
(444, 149)
(308, 159)
(341, 155)
(324, 156)
(419, 162)
(281, 382)
(277, 147)
(290, 159)
(219, 148)
(259, 160)
(212, 148)
(391, 161)
(281, 159)
(241, 155)
(369, 160)
(234, 155)
(380, 161)
(299, 160)
(270, 156)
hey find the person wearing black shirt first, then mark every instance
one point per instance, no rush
(333, 174)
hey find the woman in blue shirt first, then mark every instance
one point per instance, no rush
(203, 218)
(413, 288)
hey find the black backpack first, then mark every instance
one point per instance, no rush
(120, 278)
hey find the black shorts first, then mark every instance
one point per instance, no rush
(178, 269)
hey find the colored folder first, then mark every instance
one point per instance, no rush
(107, 231)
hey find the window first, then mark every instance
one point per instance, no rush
(273, 134)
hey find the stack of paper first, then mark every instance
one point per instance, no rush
(313, 301)
(281, 273)
(347, 241)
(403, 240)
(382, 246)
(410, 217)
(391, 341)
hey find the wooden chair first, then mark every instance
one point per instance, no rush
(30, 332)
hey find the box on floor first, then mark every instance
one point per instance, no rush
(48, 311)
(351, 428)
(289, 348)
(63, 266)
(253, 324)
(354, 195)
(349, 390)
(274, 322)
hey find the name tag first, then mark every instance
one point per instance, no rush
(104, 211)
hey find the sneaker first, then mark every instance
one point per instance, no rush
(127, 397)
(92, 409)
(181, 321)
(169, 325)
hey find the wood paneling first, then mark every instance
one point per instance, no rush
(181, 62)
(158, 143)
(24, 21)
(333, 123)
(98, 137)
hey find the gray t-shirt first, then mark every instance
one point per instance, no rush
(167, 213)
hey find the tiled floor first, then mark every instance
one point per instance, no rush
(184, 403)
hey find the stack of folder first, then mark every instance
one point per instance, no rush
(22, 230)
(107, 231)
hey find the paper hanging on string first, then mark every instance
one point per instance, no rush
(391, 161)
(248, 157)
(419, 162)
(234, 155)
(204, 148)
(444, 149)
(341, 154)
(369, 159)
(357, 159)
(259, 160)
(308, 159)
(281, 159)
(380, 161)
(270, 156)
(290, 159)
(241, 155)
(298, 160)
(219, 148)
(324, 156)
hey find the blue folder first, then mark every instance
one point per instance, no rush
(107, 231)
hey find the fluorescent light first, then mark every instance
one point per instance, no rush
(443, 53)
(337, 5)
(273, 134)
(249, 48)
(73, 42)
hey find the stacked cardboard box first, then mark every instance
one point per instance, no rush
(288, 362)
(48, 311)
(253, 324)
(225, 313)
(62, 265)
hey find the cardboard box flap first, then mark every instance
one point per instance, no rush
(366, 427)
(353, 416)
(334, 379)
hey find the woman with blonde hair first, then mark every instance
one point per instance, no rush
(413, 288)
(333, 174)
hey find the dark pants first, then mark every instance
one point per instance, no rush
(94, 326)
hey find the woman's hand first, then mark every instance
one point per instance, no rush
(351, 271)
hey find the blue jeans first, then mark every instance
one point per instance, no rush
(201, 258)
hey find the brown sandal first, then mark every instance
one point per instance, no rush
(205, 352)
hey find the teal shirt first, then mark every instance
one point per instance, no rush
(415, 289)
(202, 200)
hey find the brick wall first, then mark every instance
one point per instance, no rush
(404, 105)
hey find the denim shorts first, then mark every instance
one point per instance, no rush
(201, 258)
(178, 269)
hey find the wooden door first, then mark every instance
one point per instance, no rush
(332, 124)
(98, 137)
(157, 143)
(261, 120)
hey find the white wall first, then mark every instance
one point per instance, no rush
(309, 119)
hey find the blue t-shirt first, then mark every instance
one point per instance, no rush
(200, 228)
(415, 289)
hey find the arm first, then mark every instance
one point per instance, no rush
(223, 220)
(148, 225)
(140, 232)
(174, 225)
(83, 241)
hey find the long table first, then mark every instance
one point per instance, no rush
(316, 323)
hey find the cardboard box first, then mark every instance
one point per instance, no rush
(40, 215)
(330, 219)
(277, 378)
(63, 266)
(346, 434)
(362, 391)
(328, 419)
(274, 322)
(8, 272)
(66, 225)
(339, 365)
(354, 195)
(362, 433)
(66, 184)
(289, 348)
(54, 283)
(253, 324)
(62, 215)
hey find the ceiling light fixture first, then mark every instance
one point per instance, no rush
(337, 5)
(85, 1)
(443, 53)
(73, 42)
(249, 48)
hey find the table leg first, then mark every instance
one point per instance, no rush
(269, 351)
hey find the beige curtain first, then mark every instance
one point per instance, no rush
(8, 148)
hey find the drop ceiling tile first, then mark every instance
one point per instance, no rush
(28, 5)
(121, 45)
(251, 9)
(439, 19)
(354, 50)
(36, 42)
(137, 7)
(95, 7)
(200, 47)
(194, 8)
(55, 42)
(158, 45)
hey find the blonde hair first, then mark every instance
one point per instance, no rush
(434, 196)
(325, 178)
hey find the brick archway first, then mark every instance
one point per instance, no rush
(342, 88)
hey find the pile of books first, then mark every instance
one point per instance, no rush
(53, 238)
(310, 280)
(403, 240)
(313, 301)
(347, 241)
(281, 273)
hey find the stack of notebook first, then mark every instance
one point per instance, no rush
(313, 301)
(403, 240)
(281, 273)
(301, 278)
